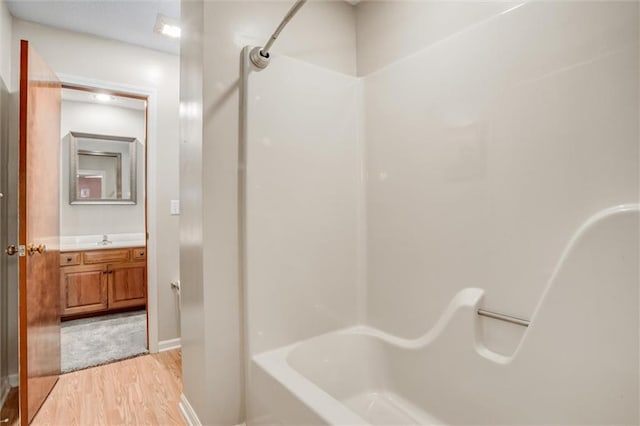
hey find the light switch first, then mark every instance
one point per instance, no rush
(175, 207)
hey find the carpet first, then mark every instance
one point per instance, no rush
(89, 342)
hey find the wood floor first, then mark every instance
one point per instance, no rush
(9, 412)
(139, 391)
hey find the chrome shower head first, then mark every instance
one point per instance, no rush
(258, 59)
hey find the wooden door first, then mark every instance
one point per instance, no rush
(39, 307)
(83, 289)
(127, 285)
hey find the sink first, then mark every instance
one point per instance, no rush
(98, 242)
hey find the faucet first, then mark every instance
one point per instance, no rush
(105, 240)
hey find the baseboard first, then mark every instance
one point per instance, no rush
(13, 380)
(167, 345)
(188, 412)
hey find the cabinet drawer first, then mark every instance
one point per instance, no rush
(139, 253)
(105, 256)
(69, 259)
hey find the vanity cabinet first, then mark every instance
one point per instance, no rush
(100, 281)
(83, 289)
(127, 285)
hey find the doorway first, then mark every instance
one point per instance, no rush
(117, 277)
(103, 227)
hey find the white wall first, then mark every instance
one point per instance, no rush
(391, 30)
(486, 152)
(302, 191)
(95, 58)
(6, 24)
(215, 32)
(103, 120)
(8, 320)
(303, 211)
(11, 198)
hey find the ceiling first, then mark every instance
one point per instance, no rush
(130, 21)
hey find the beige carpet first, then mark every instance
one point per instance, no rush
(99, 340)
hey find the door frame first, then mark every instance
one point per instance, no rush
(150, 190)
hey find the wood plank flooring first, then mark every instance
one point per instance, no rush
(9, 413)
(138, 391)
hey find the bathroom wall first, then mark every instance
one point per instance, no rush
(483, 152)
(486, 152)
(324, 34)
(11, 197)
(104, 120)
(303, 181)
(6, 25)
(391, 30)
(303, 209)
(95, 58)
(5, 280)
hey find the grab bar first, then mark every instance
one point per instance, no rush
(503, 317)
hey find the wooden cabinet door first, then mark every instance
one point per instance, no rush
(83, 290)
(127, 285)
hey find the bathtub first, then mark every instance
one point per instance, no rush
(344, 378)
(577, 362)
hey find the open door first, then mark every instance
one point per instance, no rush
(40, 106)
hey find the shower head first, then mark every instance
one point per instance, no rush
(260, 55)
(258, 59)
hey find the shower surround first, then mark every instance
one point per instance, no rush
(496, 168)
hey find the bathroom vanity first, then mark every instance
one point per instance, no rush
(102, 280)
(107, 272)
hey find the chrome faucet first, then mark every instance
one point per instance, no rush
(105, 240)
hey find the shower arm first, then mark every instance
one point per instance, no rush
(260, 56)
(294, 9)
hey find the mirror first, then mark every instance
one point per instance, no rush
(102, 169)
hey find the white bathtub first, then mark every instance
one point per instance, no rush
(345, 378)
(576, 364)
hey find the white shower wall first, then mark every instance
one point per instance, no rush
(482, 152)
(485, 152)
(304, 176)
(469, 159)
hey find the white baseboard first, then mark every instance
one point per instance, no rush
(13, 380)
(167, 345)
(188, 412)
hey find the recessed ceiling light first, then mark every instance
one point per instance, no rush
(103, 97)
(171, 30)
(167, 26)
